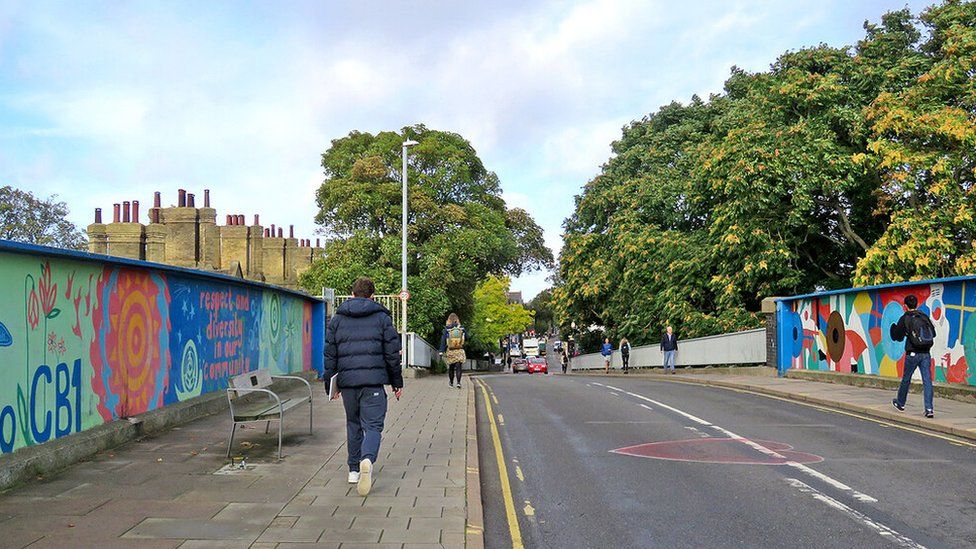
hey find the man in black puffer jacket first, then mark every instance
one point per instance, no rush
(363, 347)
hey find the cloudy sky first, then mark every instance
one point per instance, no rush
(108, 101)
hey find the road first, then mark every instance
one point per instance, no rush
(732, 469)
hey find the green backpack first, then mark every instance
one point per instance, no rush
(455, 338)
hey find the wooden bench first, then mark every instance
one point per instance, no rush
(271, 409)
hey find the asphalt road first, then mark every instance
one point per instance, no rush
(751, 472)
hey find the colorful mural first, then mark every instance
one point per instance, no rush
(849, 331)
(84, 342)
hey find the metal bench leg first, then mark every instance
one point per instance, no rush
(267, 427)
(230, 444)
(310, 416)
(279, 437)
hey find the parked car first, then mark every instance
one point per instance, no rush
(520, 365)
(538, 365)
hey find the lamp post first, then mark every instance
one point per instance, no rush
(403, 254)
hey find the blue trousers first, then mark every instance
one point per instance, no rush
(365, 413)
(922, 361)
(669, 360)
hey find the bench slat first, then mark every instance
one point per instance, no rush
(266, 409)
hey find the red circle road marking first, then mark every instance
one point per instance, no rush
(718, 450)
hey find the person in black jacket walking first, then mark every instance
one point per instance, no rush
(917, 330)
(363, 348)
(669, 346)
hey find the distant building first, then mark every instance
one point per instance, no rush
(187, 236)
(515, 298)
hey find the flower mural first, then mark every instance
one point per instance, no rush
(139, 339)
(130, 320)
(850, 331)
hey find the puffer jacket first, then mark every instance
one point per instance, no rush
(362, 345)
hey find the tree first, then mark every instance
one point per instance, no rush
(777, 186)
(494, 317)
(923, 142)
(541, 307)
(459, 231)
(27, 218)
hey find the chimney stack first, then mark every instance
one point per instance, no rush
(125, 211)
(280, 232)
(116, 212)
(157, 199)
(190, 202)
(291, 231)
(206, 198)
(273, 233)
(267, 233)
(239, 219)
(228, 220)
(257, 219)
(135, 211)
(317, 243)
(182, 198)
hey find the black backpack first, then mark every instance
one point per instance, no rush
(921, 332)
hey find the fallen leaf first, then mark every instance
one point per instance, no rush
(159, 459)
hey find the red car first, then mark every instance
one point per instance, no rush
(538, 365)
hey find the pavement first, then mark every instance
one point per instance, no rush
(641, 461)
(178, 489)
(952, 417)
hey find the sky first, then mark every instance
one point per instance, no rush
(102, 102)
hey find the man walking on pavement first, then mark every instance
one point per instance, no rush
(363, 348)
(669, 346)
(607, 352)
(917, 330)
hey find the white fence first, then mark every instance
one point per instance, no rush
(748, 347)
(419, 352)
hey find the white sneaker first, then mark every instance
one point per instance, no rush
(353, 477)
(365, 477)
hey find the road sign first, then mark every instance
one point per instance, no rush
(404, 295)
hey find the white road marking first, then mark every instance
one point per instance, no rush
(646, 406)
(887, 532)
(799, 466)
(760, 448)
(696, 419)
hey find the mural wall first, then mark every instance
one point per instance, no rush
(84, 342)
(850, 331)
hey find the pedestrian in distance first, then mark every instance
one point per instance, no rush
(452, 348)
(669, 346)
(564, 358)
(607, 353)
(916, 328)
(625, 354)
(363, 348)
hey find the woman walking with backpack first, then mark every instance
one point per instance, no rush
(452, 347)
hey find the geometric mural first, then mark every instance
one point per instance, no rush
(849, 330)
(86, 340)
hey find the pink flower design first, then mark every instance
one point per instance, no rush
(48, 291)
(33, 309)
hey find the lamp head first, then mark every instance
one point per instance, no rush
(410, 143)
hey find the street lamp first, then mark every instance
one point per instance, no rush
(403, 253)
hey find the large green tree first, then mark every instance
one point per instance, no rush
(835, 162)
(460, 229)
(28, 218)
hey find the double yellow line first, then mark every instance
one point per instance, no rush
(513, 524)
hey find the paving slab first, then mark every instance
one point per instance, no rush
(177, 489)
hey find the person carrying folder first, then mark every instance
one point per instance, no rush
(363, 348)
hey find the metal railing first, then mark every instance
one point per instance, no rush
(391, 302)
